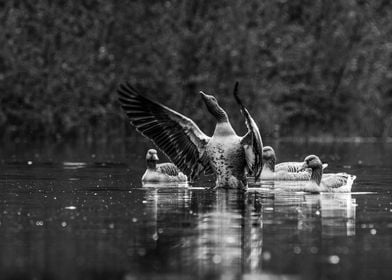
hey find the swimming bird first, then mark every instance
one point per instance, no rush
(224, 154)
(281, 171)
(284, 170)
(330, 182)
(163, 172)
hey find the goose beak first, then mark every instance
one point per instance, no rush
(152, 157)
(303, 167)
(203, 94)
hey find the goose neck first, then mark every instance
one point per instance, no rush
(317, 173)
(269, 164)
(151, 164)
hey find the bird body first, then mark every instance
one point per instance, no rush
(284, 175)
(285, 171)
(330, 182)
(293, 166)
(163, 172)
(227, 157)
(224, 154)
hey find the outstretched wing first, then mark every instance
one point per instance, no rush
(174, 134)
(252, 143)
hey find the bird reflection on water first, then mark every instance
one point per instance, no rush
(234, 233)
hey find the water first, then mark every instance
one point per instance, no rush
(77, 211)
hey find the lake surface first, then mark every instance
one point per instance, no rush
(79, 211)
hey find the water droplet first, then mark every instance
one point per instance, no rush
(314, 250)
(317, 213)
(39, 223)
(144, 201)
(93, 155)
(111, 226)
(160, 230)
(333, 259)
(155, 236)
(230, 240)
(29, 162)
(266, 256)
(70, 207)
(141, 251)
(216, 259)
(297, 250)
(134, 220)
(373, 231)
(64, 224)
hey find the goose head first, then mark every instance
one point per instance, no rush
(213, 107)
(316, 165)
(269, 158)
(152, 158)
(312, 161)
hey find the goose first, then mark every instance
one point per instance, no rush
(225, 154)
(283, 170)
(271, 171)
(330, 182)
(163, 172)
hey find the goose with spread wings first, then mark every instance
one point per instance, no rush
(225, 154)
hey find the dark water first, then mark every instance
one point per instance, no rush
(77, 211)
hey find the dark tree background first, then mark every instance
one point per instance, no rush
(306, 68)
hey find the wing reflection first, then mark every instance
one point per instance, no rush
(230, 234)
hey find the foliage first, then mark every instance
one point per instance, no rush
(313, 67)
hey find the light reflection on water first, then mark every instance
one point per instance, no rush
(79, 219)
(227, 236)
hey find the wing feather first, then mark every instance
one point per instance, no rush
(335, 180)
(168, 168)
(252, 141)
(177, 136)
